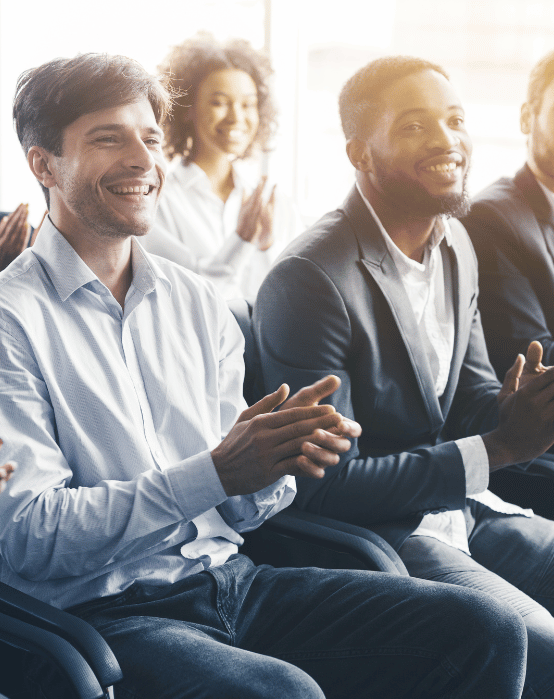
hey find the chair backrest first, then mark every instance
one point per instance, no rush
(253, 390)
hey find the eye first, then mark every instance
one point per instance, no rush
(457, 121)
(106, 139)
(152, 141)
(412, 127)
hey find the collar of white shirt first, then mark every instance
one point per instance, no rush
(68, 271)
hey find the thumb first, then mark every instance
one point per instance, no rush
(533, 358)
(266, 404)
(511, 380)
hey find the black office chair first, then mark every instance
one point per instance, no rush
(290, 538)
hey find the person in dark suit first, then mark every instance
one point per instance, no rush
(511, 224)
(383, 293)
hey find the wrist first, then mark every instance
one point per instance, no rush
(499, 453)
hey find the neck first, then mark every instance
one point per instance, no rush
(109, 258)
(409, 233)
(219, 170)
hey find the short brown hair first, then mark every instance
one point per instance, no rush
(540, 78)
(57, 93)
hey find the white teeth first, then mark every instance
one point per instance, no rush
(444, 167)
(143, 189)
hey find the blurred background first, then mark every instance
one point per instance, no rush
(487, 46)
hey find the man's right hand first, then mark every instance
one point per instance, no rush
(14, 235)
(526, 424)
(263, 446)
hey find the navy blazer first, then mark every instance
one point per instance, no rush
(334, 303)
(511, 224)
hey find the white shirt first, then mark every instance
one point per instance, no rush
(111, 417)
(429, 288)
(195, 228)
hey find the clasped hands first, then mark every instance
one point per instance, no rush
(526, 400)
(302, 438)
(255, 223)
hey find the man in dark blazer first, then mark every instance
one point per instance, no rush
(511, 224)
(383, 293)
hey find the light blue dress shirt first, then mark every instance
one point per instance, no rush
(111, 417)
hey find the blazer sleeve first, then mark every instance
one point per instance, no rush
(304, 333)
(512, 313)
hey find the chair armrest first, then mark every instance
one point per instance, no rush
(82, 636)
(366, 546)
(20, 634)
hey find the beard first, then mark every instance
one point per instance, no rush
(83, 200)
(402, 192)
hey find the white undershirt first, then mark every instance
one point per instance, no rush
(429, 289)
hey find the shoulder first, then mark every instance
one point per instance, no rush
(328, 243)
(500, 202)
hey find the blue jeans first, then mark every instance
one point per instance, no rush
(245, 631)
(513, 560)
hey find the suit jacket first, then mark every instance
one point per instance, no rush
(335, 303)
(511, 224)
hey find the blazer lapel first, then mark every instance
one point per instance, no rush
(462, 300)
(375, 258)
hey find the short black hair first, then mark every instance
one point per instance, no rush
(189, 63)
(57, 93)
(540, 78)
(359, 98)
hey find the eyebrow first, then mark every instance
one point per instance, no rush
(120, 127)
(225, 94)
(421, 110)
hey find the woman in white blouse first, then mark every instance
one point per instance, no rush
(211, 218)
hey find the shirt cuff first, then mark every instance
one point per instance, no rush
(476, 464)
(196, 485)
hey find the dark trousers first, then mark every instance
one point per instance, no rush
(245, 631)
(513, 560)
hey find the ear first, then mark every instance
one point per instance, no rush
(525, 119)
(41, 164)
(359, 155)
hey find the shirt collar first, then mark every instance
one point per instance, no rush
(68, 272)
(441, 230)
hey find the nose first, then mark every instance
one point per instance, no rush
(443, 137)
(235, 113)
(137, 156)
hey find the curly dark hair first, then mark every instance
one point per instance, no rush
(186, 66)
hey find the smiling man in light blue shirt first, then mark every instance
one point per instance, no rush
(139, 464)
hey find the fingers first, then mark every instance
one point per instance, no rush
(249, 225)
(511, 380)
(292, 417)
(266, 404)
(311, 395)
(347, 428)
(533, 358)
(37, 229)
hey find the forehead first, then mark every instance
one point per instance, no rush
(137, 115)
(229, 81)
(424, 92)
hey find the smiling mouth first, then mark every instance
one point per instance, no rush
(443, 167)
(142, 189)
